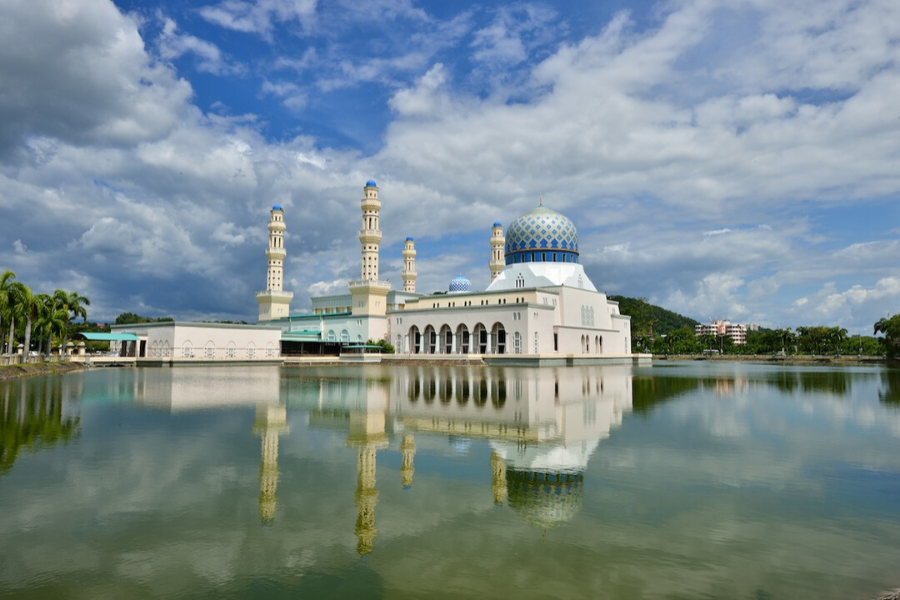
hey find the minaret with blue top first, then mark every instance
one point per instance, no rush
(274, 302)
(369, 293)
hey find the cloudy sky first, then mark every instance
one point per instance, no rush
(737, 160)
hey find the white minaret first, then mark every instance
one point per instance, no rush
(370, 235)
(409, 266)
(274, 302)
(497, 243)
(369, 293)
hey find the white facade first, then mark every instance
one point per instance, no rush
(174, 341)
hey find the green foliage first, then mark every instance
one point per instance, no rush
(890, 327)
(643, 315)
(386, 348)
(128, 318)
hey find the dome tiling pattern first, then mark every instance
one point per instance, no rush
(460, 284)
(542, 229)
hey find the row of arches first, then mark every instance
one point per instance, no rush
(447, 390)
(480, 340)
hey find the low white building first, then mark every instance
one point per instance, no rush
(171, 342)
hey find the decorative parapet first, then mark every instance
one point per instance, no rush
(274, 294)
(382, 283)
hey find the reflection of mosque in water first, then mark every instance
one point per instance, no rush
(542, 426)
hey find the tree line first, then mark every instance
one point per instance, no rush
(660, 331)
(36, 318)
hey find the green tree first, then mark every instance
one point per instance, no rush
(6, 281)
(74, 305)
(52, 319)
(18, 296)
(890, 328)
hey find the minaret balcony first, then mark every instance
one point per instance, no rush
(370, 236)
(277, 226)
(276, 253)
(275, 295)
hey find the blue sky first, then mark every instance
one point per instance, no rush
(737, 160)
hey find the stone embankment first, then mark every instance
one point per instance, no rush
(42, 368)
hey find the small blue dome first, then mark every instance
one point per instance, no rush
(371, 183)
(497, 224)
(460, 284)
(409, 238)
(276, 207)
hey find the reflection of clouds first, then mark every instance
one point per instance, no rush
(169, 502)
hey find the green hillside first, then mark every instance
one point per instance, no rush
(643, 314)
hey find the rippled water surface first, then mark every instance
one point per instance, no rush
(681, 480)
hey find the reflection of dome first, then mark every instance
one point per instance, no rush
(542, 235)
(460, 284)
(276, 207)
(371, 183)
(545, 499)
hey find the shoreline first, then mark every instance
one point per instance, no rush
(10, 372)
(797, 359)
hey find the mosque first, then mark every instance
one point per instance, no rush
(540, 307)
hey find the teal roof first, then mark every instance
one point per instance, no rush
(107, 337)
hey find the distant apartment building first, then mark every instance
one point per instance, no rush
(723, 327)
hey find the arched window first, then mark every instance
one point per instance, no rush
(537, 346)
(187, 350)
(517, 343)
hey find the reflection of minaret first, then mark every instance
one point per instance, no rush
(498, 478)
(408, 454)
(366, 499)
(367, 433)
(270, 423)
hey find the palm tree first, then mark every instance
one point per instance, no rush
(49, 317)
(6, 280)
(30, 308)
(74, 303)
(890, 327)
(18, 295)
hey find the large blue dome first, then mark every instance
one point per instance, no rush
(542, 235)
(371, 183)
(460, 284)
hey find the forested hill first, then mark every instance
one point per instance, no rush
(642, 314)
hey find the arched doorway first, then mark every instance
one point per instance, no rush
(415, 339)
(446, 340)
(462, 339)
(430, 340)
(498, 337)
(481, 339)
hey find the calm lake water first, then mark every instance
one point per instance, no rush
(680, 480)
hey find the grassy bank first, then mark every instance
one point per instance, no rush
(43, 368)
(796, 359)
